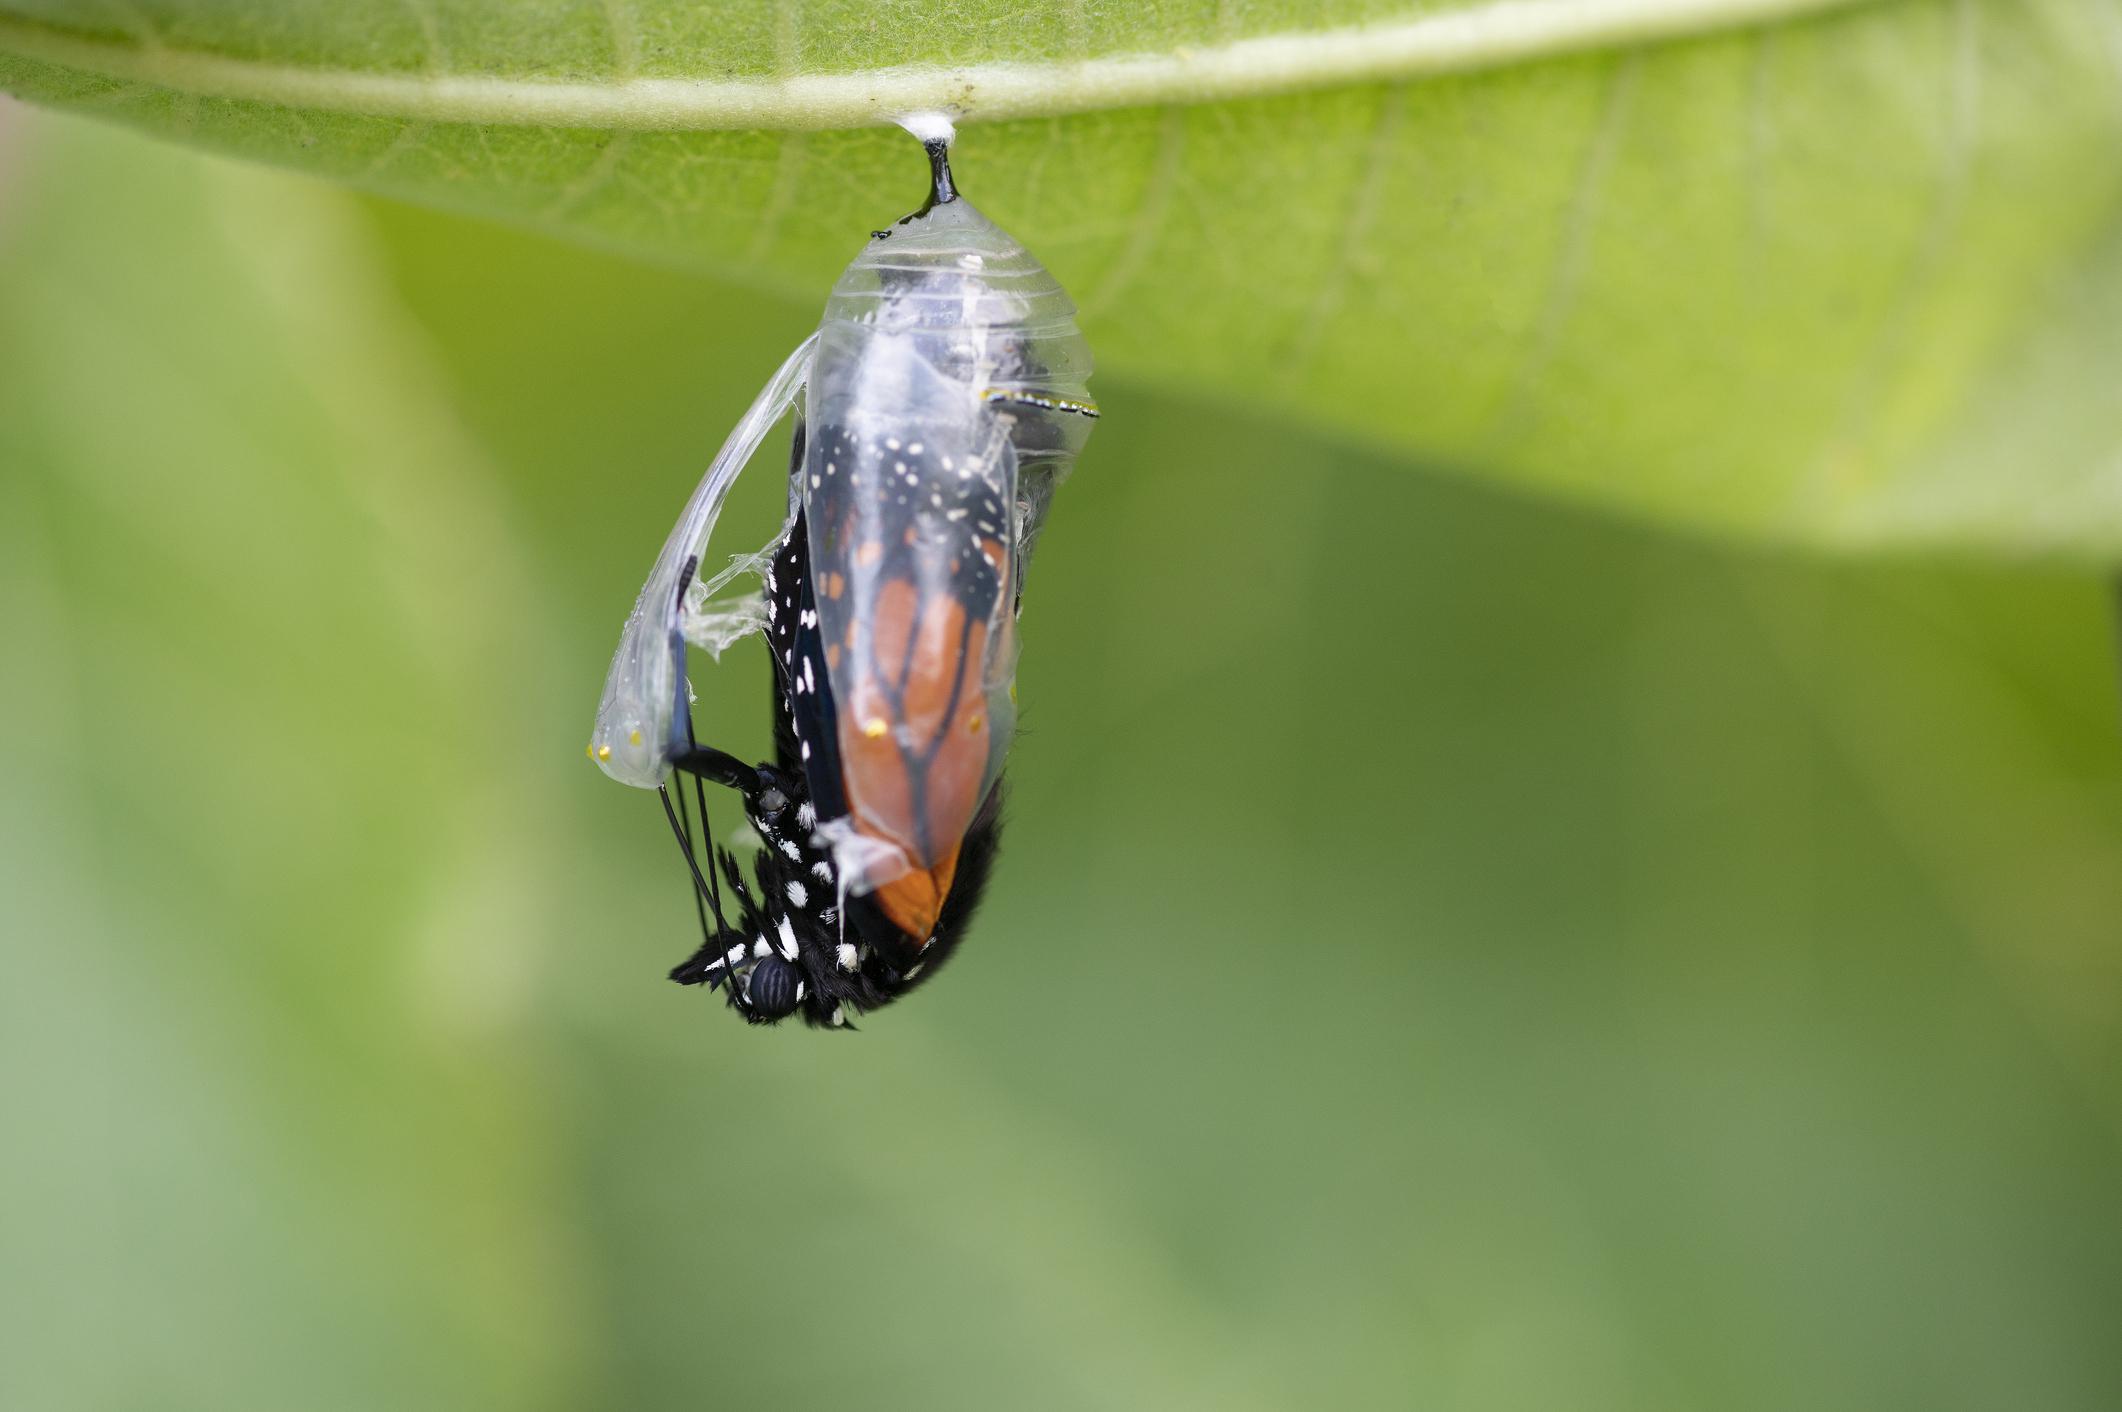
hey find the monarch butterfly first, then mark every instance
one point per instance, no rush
(946, 400)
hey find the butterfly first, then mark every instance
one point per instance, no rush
(943, 400)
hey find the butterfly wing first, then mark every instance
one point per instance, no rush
(909, 498)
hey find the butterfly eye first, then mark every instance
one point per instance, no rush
(774, 989)
(772, 800)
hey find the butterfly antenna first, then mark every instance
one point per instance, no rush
(705, 893)
(707, 832)
(682, 830)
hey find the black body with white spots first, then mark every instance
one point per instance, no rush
(944, 398)
(794, 944)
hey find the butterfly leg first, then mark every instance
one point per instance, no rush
(718, 767)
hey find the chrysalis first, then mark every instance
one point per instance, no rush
(941, 401)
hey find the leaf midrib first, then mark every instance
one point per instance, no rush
(1484, 36)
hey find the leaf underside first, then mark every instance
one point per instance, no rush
(1849, 276)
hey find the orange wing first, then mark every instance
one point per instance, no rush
(913, 575)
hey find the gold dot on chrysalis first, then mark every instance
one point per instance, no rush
(633, 737)
(874, 727)
(975, 724)
(604, 752)
(590, 750)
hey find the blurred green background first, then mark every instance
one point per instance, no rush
(1450, 950)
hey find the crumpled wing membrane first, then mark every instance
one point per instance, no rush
(641, 716)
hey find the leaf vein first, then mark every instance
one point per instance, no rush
(788, 164)
(423, 13)
(1363, 203)
(1490, 35)
(600, 173)
(626, 44)
(408, 138)
(1842, 464)
(1150, 214)
(1572, 250)
(786, 33)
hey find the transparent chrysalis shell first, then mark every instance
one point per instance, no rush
(948, 399)
(945, 397)
(640, 725)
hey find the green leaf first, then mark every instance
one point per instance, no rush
(1640, 974)
(1784, 267)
